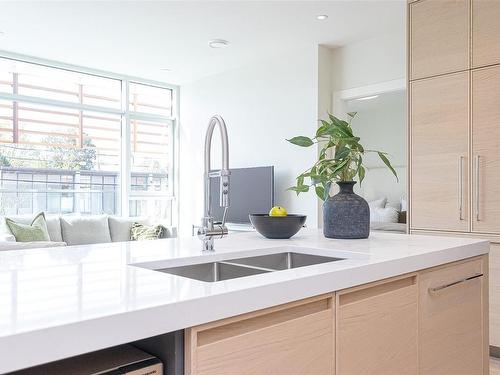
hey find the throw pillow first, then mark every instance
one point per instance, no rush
(384, 215)
(379, 203)
(36, 231)
(84, 230)
(140, 232)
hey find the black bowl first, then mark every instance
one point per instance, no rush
(277, 227)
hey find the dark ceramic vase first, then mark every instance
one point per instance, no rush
(346, 214)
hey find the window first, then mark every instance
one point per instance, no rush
(64, 137)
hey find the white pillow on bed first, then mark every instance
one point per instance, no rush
(379, 203)
(384, 215)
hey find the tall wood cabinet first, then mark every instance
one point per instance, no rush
(454, 122)
(439, 37)
(439, 152)
(485, 32)
(485, 149)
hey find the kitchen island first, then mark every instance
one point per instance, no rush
(417, 301)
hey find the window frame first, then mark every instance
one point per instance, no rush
(125, 192)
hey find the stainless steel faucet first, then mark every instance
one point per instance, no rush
(210, 230)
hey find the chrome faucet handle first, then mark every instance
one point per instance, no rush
(208, 234)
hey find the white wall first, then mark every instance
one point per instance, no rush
(262, 105)
(381, 125)
(374, 60)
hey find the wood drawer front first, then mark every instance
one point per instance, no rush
(377, 329)
(451, 332)
(495, 295)
(296, 340)
(485, 32)
(439, 37)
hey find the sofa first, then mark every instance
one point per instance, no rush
(76, 230)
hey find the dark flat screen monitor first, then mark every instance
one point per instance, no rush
(251, 191)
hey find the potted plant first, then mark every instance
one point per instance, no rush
(346, 214)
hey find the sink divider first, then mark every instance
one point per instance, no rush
(248, 266)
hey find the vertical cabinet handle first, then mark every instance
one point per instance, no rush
(461, 187)
(477, 187)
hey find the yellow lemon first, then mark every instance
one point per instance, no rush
(277, 211)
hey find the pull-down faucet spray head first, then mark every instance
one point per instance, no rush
(208, 230)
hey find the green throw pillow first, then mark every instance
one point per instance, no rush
(139, 232)
(36, 231)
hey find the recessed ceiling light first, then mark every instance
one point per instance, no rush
(218, 43)
(321, 17)
(368, 97)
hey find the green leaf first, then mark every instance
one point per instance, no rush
(301, 141)
(323, 129)
(300, 180)
(360, 148)
(342, 153)
(388, 163)
(299, 189)
(340, 166)
(361, 173)
(320, 192)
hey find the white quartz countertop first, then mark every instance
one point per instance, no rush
(60, 302)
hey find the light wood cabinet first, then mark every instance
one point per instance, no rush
(432, 322)
(495, 295)
(293, 339)
(452, 318)
(445, 37)
(485, 32)
(377, 328)
(439, 37)
(439, 148)
(485, 150)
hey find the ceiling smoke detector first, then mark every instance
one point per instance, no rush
(218, 43)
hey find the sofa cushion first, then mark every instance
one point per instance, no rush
(119, 227)
(36, 231)
(80, 230)
(53, 225)
(29, 245)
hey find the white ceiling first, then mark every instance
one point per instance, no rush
(139, 37)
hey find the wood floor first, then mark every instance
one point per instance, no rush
(494, 366)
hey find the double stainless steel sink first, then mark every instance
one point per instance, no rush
(241, 267)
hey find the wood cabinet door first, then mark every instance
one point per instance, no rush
(439, 37)
(486, 150)
(485, 32)
(377, 328)
(294, 339)
(439, 149)
(495, 295)
(452, 332)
